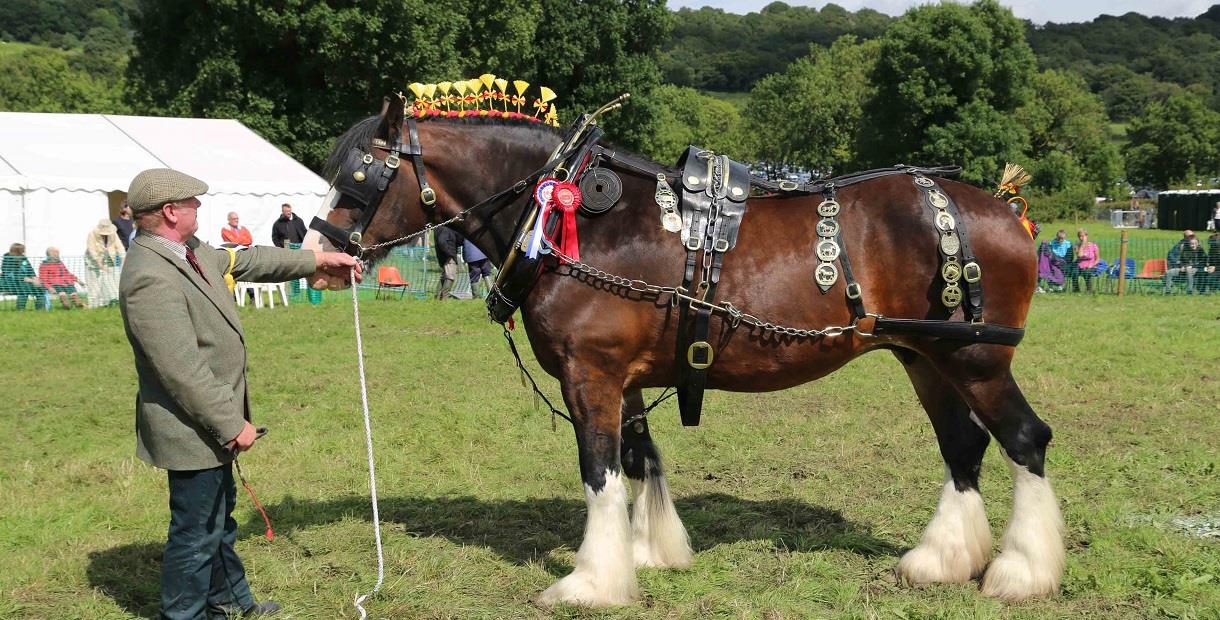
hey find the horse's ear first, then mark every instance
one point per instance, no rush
(389, 124)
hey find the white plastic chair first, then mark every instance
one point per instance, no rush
(258, 289)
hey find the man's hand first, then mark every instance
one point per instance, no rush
(244, 440)
(333, 269)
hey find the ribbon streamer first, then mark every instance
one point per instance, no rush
(542, 195)
(566, 197)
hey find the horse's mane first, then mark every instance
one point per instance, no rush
(360, 135)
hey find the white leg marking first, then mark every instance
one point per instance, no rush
(1031, 560)
(604, 573)
(957, 543)
(658, 536)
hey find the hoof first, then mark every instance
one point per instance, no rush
(925, 564)
(1012, 577)
(585, 590)
(676, 556)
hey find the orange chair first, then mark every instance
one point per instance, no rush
(1152, 273)
(389, 277)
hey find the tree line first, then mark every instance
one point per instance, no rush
(1082, 105)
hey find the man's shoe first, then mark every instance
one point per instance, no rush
(265, 608)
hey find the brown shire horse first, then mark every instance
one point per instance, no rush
(605, 344)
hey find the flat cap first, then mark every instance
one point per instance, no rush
(157, 186)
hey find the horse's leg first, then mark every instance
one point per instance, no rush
(1032, 555)
(957, 542)
(604, 573)
(658, 537)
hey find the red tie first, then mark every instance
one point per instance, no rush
(190, 258)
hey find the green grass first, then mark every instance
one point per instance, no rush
(799, 502)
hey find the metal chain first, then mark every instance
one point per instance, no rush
(735, 315)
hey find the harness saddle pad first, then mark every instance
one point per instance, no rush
(701, 191)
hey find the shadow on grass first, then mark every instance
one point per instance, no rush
(523, 530)
(131, 575)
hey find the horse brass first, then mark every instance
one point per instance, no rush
(945, 221)
(950, 244)
(358, 176)
(827, 228)
(924, 182)
(937, 199)
(951, 271)
(671, 221)
(951, 296)
(828, 208)
(825, 274)
(828, 250)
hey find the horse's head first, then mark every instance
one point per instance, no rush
(370, 200)
(377, 196)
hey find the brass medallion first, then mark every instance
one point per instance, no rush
(671, 221)
(951, 271)
(828, 250)
(945, 221)
(950, 244)
(827, 228)
(825, 274)
(951, 296)
(924, 182)
(828, 208)
(937, 199)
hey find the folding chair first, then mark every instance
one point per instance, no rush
(389, 277)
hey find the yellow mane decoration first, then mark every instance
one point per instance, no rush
(1010, 186)
(486, 96)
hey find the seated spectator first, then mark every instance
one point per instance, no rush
(1211, 276)
(1050, 269)
(1087, 257)
(17, 277)
(58, 280)
(235, 233)
(1189, 261)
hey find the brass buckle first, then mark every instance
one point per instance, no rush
(693, 243)
(721, 245)
(700, 346)
(367, 159)
(971, 272)
(391, 162)
(853, 291)
(355, 238)
(788, 186)
(427, 196)
(561, 178)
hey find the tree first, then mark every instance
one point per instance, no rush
(1065, 119)
(44, 80)
(810, 114)
(943, 72)
(688, 117)
(300, 73)
(1172, 142)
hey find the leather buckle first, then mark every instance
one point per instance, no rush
(971, 272)
(853, 291)
(700, 348)
(367, 159)
(721, 245)
(427, 196)
(694, 243)
(391, 161)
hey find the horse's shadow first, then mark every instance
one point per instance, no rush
(519, 531)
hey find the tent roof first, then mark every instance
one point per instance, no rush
(95, 152)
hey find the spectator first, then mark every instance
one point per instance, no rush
(1216, 219)
(1061, 257)
(58, 280)
(479, 267)
(1189, 261)
(235, 233)
(1211, 276)
(447, 242)
(103, 256)
(1050, 269)
(288, 228)
(124, 224)
(1087, 258)
(17, 277)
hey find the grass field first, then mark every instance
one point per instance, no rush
(798, 503)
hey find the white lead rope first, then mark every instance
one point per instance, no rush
(368, 442)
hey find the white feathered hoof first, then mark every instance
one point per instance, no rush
(1013, 577)
(926, 564)
(659, 539)
(586, 590)
(955, 546)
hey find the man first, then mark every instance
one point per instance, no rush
(124, 225)
(447, 242)
(235, 233)
(1188, 261)
(288, 228)
(479, 268)
(192, 409)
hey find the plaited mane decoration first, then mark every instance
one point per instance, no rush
(486, 96)
(1010, 189)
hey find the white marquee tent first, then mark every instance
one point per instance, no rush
(61, 173)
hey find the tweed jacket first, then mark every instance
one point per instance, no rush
(190, 351)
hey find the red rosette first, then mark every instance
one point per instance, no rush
(566, 197)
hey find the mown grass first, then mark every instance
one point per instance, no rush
(798, 502)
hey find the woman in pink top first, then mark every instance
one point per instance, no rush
(1087, 258)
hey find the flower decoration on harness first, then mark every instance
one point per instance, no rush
(1010, 186)
(486, 96)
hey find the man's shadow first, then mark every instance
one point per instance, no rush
(519, 531)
